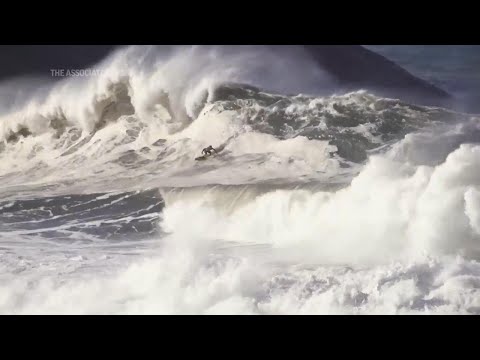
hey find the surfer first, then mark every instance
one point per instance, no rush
(208, 150)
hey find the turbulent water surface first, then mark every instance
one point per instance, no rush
(318, 202)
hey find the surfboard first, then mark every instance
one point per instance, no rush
(204, 157)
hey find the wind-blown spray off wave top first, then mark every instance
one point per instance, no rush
(317, 201)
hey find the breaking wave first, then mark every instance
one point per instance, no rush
(315, 203)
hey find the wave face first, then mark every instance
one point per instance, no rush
(316, 202)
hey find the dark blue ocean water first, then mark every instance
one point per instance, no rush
(455, 68)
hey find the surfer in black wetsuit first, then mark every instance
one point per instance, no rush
(208, 150)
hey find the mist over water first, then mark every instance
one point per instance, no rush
(318, 201)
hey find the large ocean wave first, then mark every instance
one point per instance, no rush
(316, 202)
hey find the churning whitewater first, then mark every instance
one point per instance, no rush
(318, 201)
